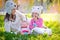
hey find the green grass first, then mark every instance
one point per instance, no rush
(11, 36)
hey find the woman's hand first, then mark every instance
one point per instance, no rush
(11, 19)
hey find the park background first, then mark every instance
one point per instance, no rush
(50, 15)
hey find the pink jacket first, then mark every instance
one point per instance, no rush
(39, 22)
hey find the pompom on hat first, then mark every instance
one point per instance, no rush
(9, 6)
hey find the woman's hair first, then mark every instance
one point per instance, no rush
(7, 16)
(13, 17)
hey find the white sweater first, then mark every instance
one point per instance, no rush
(16, 24)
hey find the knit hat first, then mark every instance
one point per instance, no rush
(9, 6)
(37, 9)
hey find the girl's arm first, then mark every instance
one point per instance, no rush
(31, 25)
(44, 26)
(42, 22)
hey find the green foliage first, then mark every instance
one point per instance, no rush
(1, 20)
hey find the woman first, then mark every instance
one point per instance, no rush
(36, 23)
(14, 17)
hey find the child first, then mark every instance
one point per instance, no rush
(36, 23)
(24, 28)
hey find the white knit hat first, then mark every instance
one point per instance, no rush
(37, 9)
(9, 6)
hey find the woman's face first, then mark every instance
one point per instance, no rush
(13, 11)
(35, 15)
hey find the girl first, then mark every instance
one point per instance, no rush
(36, 23)
(14, 19)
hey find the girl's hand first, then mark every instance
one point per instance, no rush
(11, 19)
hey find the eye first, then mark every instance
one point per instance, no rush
(38, 8)
(11, 3)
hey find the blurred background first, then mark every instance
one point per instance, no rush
(27, 4)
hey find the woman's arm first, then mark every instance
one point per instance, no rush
(16, 21)
(7, 25)
(19, 18)
(22, 16)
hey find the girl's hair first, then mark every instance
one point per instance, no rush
(37, 14)
(32, 15)
(7, 16)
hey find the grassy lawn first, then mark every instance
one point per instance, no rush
(54, 25)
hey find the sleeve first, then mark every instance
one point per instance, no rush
(44, 26)
(40, 22)
(23, 17)
(7, 26)
(31, 25)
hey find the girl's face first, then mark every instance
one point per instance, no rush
(35, 15)
(13, 11)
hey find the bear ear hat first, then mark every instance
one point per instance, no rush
(9, 6)
(37, 9)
